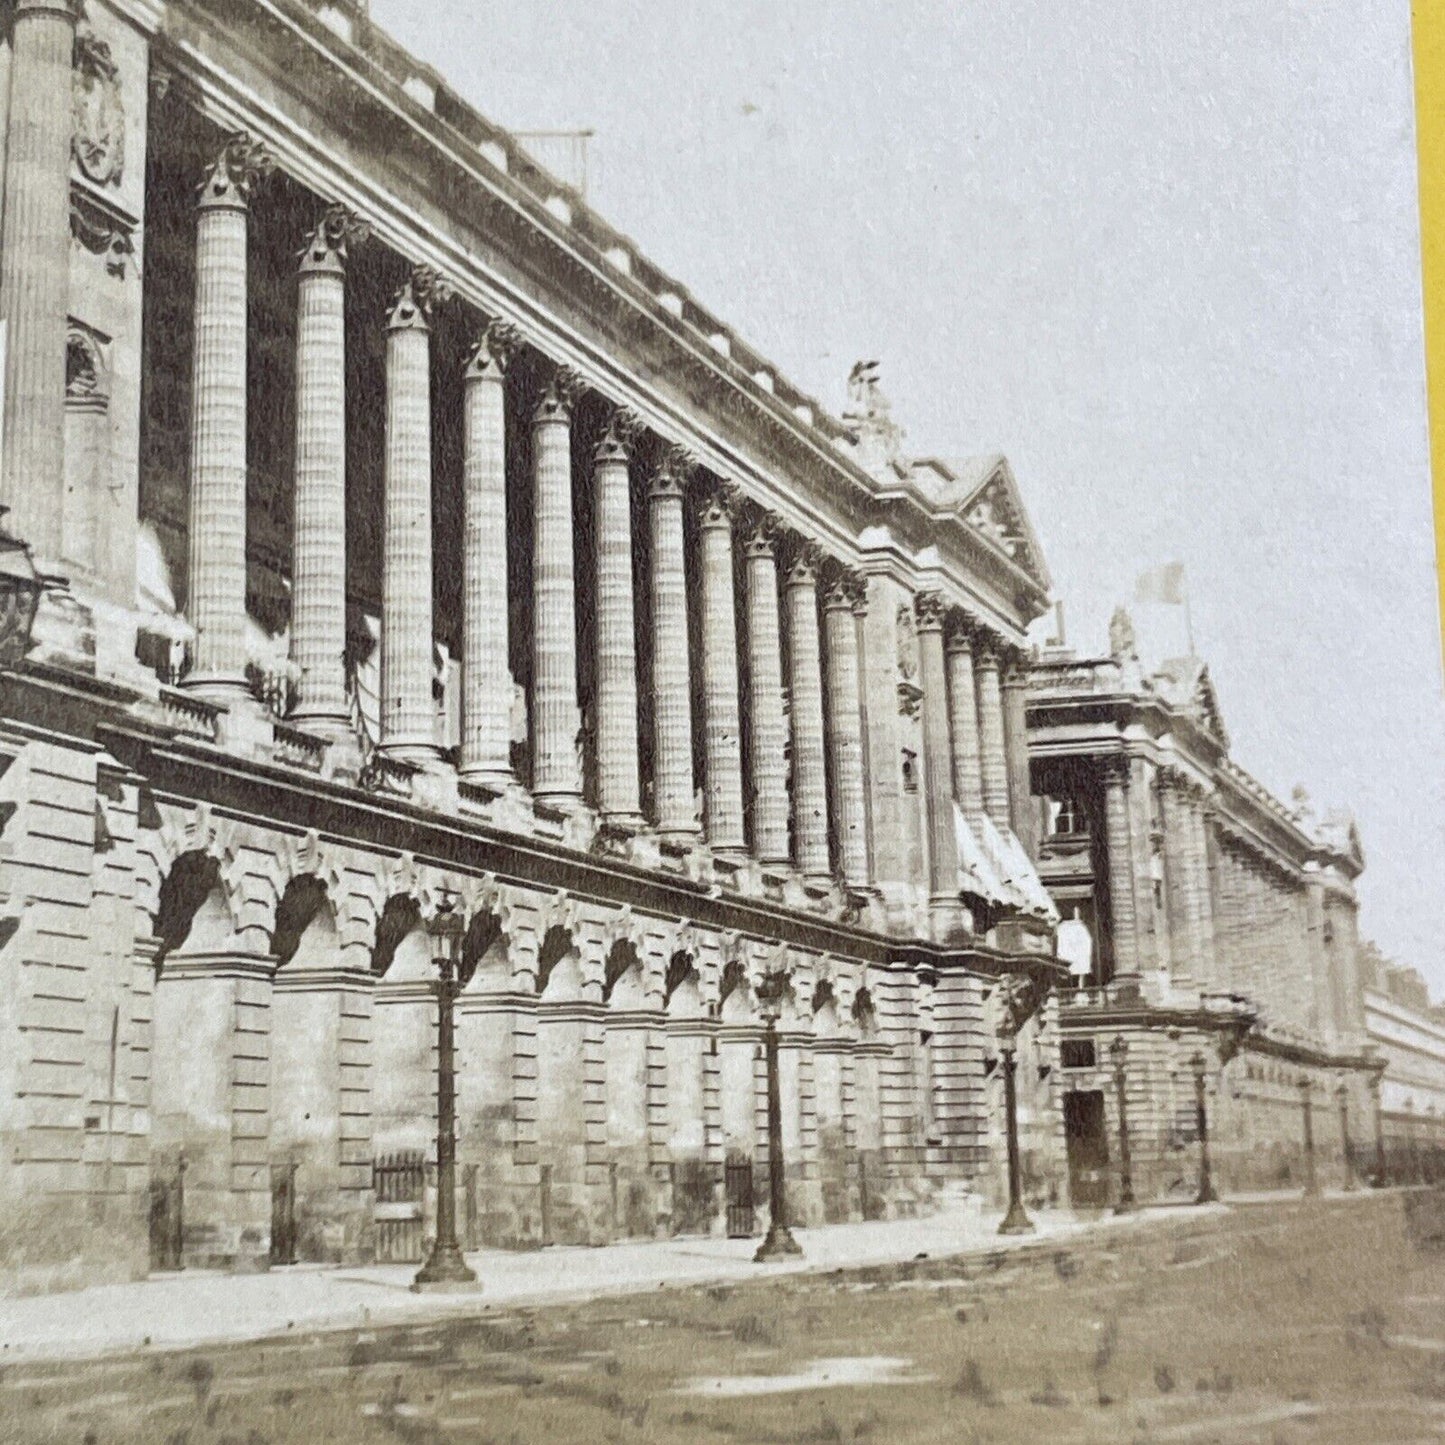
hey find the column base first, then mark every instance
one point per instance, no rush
(495, 780)
(947, 920)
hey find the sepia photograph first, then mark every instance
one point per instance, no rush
(722, 722)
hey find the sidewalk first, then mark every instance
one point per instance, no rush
(197, 1307)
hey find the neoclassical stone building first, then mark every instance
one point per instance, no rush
(1213, 921)
(423, 541)
(1408, 1032)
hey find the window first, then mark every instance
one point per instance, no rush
(1065, 816)
(1077, 1053)
(910, 771)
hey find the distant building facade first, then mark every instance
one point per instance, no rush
(1223, 938)
(427, 545)
(1407, 1031)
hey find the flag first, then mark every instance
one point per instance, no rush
(1161, 584)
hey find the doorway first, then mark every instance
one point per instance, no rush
(1087, 1142)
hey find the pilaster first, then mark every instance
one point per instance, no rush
(944, 905)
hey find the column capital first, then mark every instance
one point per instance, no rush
(988, 648)
(762, 536)
(676, 468)
(847, 591)
(619, 437)
(1015, 667)
(326, 248)
(558, 397)
(232, 178)
(721, 505)
(958, 631)
(1114, 767)
(413, 304)
(491, 353)
(928, 608)
(806, 557)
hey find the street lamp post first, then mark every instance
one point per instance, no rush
(1016, 1221)
(1206, 1193)
(20, 589)
(778, 1243)
(1119, 1052)
(446, 1268)
(1312, 1184)
(1375, 1090)
(1342, 1093)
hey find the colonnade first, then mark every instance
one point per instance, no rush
(804, 718)
(803, 769)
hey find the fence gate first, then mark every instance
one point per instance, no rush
(399, 1182)
(283, 1214)
(166, 1221)
(739, 1180)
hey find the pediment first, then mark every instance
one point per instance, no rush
(994, 508)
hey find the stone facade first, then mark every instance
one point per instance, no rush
(1215, 931)
(1408, 1032)
(425, 542)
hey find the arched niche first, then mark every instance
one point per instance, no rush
(623, 984)
(486, 961)
(305, 931)
(401, 946)
(825, 1010)
(865, 1017)
(683, 988)
(559, 967)
(735, 1004)
(191, 908)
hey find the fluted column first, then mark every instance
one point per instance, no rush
(1021, 811)
(1181, 895)
(993, 759)
(845, 728)
(318, 587)
(619, 796)
(1200, 819)
(722, 741)
(1117, 834)
(408, 711)
(943, 881)
(963, 721)
(556, 766)
(35, 270)
(217, 577)
(767, 738)
(805, 683)
(486, 754)
(671, 671)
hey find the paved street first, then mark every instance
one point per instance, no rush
(1280, 1322)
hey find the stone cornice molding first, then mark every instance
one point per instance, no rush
(329, 243)
(619, 438)
(231, 180)
(492, 352)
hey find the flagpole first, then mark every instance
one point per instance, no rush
(1188, 615)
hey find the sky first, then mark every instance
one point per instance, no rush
(1163, 255)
